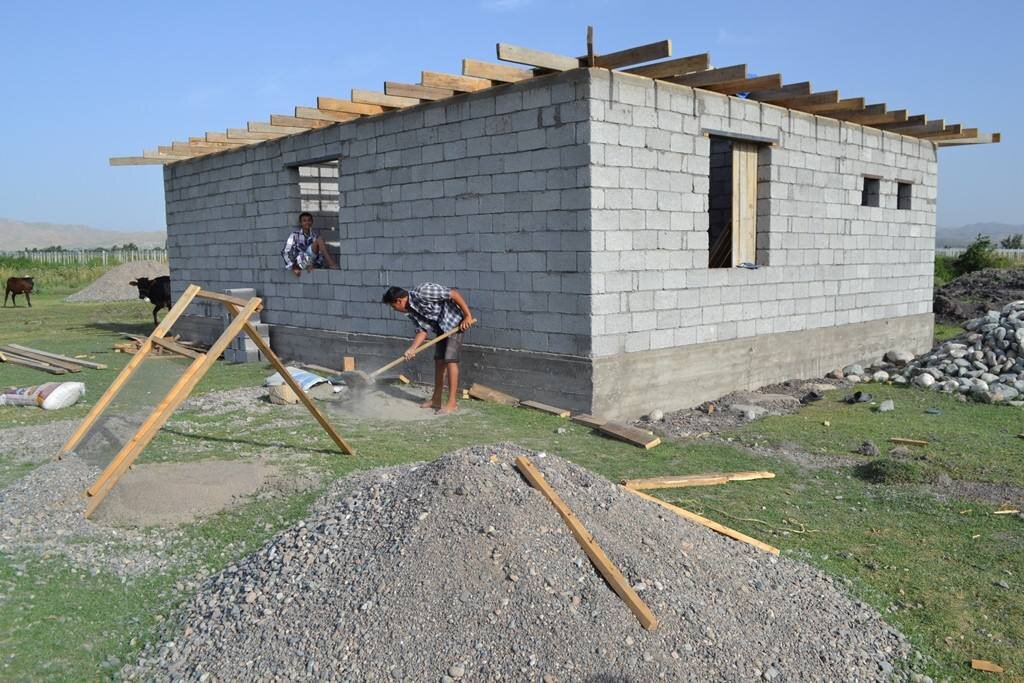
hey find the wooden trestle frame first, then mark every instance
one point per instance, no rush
(241, 310)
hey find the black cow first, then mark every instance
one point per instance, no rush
(16, 286)
(156, 291)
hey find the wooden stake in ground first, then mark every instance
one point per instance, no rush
(604, 565)
(704, 521)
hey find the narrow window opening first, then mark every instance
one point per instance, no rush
(904, 192)
(870, 194)
(732, 203)
(319, 195)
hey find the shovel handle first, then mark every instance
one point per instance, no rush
(402, 358)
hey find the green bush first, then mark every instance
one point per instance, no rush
(980, 254)
(52, 278)
(888, 471)
(944, 270)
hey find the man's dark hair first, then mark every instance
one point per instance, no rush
(305, 213)
(392, 295)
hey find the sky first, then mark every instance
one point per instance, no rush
(87, 81)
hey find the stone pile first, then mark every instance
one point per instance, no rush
(459, 570)
(986, 363)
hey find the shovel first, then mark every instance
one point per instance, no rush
(360, 380)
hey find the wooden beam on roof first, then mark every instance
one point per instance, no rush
(824, 97)
(849, 104)
(916, 120)
(436, 79)
(360, 96)
(634, 55)
(495, 72)
(781, 93)
(980, 139)
(325, 114)
(535, 58)
(868, 119)
(348, 106)
(187, 147)
(138, 161)
(673, 67)
(243, 134)
(261, 127)
(172, 151)
(711, 76)
(908, 129)
(224, 144)
(168, 156)
(297, 122)
(746, 84)
(422, 92)
(951, 133)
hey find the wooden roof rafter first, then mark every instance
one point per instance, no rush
(653, 60)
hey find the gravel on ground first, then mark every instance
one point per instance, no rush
(113, 285)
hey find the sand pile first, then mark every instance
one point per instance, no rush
(113, 285)
(457, 569)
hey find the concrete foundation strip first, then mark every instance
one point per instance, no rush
(604, 565)
(683, 481)
(704, 521)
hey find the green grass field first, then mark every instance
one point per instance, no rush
(933, 567)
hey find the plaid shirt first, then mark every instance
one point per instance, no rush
(431, 308)
(297, 243)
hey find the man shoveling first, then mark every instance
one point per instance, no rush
(438, 309)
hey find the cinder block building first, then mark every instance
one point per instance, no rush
(629, 239)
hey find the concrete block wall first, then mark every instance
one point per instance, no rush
(830, 260)
(487, 192)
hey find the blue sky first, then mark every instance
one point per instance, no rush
(85, 81)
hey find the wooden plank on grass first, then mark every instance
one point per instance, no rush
(536, 58)
(985, 665)
(545, 408)
(908, 442)
(68, 364)
(710, 524)
(601, 561)
(35, 365)
(589, 420)
(482, 393)
(631, 435)
(500, 73)
(683, 481)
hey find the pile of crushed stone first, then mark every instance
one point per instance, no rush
(113, 284)
(975, 294)
(459, 570)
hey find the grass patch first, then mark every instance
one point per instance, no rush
(889, 471)
(52, 278)
(944, 332)
(932, 568)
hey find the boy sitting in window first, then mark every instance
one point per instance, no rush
(305, 249)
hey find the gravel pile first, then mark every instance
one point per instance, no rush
(458, 570)
(42, 515)
(986, 363)
(113, 285)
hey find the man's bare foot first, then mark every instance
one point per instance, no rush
(429, 403)
(296, 271)
(447, 410)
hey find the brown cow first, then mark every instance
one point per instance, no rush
(16, 286)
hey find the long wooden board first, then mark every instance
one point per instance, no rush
(545, 408)
(629, 434)
(704, 521)
(435, 79)
(56, 356)
(382, 100)
(325, 114)
(536, 58)
(175, 347)
(421, 92)
(589, 420)
(348, 106)
(682, 481)
(673, 67)
(634, 55)
(908, 442)
(711, 76)
(34, 364)
(501, 73)
(601, 561)
(45, 360)
(482, 393)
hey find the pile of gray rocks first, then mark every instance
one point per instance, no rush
(459, 570)
(986, 363)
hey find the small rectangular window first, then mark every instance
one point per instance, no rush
(320, 196)
(903, 194)
(870, 195)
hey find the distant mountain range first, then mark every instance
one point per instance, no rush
(964, 235)
(16, 235)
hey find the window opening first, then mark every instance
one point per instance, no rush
(320, 196)
(869, 196)
(732, 203)
(904, 191)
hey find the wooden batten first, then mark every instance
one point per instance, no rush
(781, 93)
(867, 118)
(536, 58)
(422, 92)
(360, 96)
(961, 133)
(711, 76)
(746, 84)
(168, 151)
(849, 104)
(348, 106)
(911, 129)
(138, 161)
(824, 97)
(545, 408)
(501, 73)
(282, 120)
(261, 127)
(673, 67)
(435, 79)
(258, 136)
(634, 55)
(325, 114)
(916, 120)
